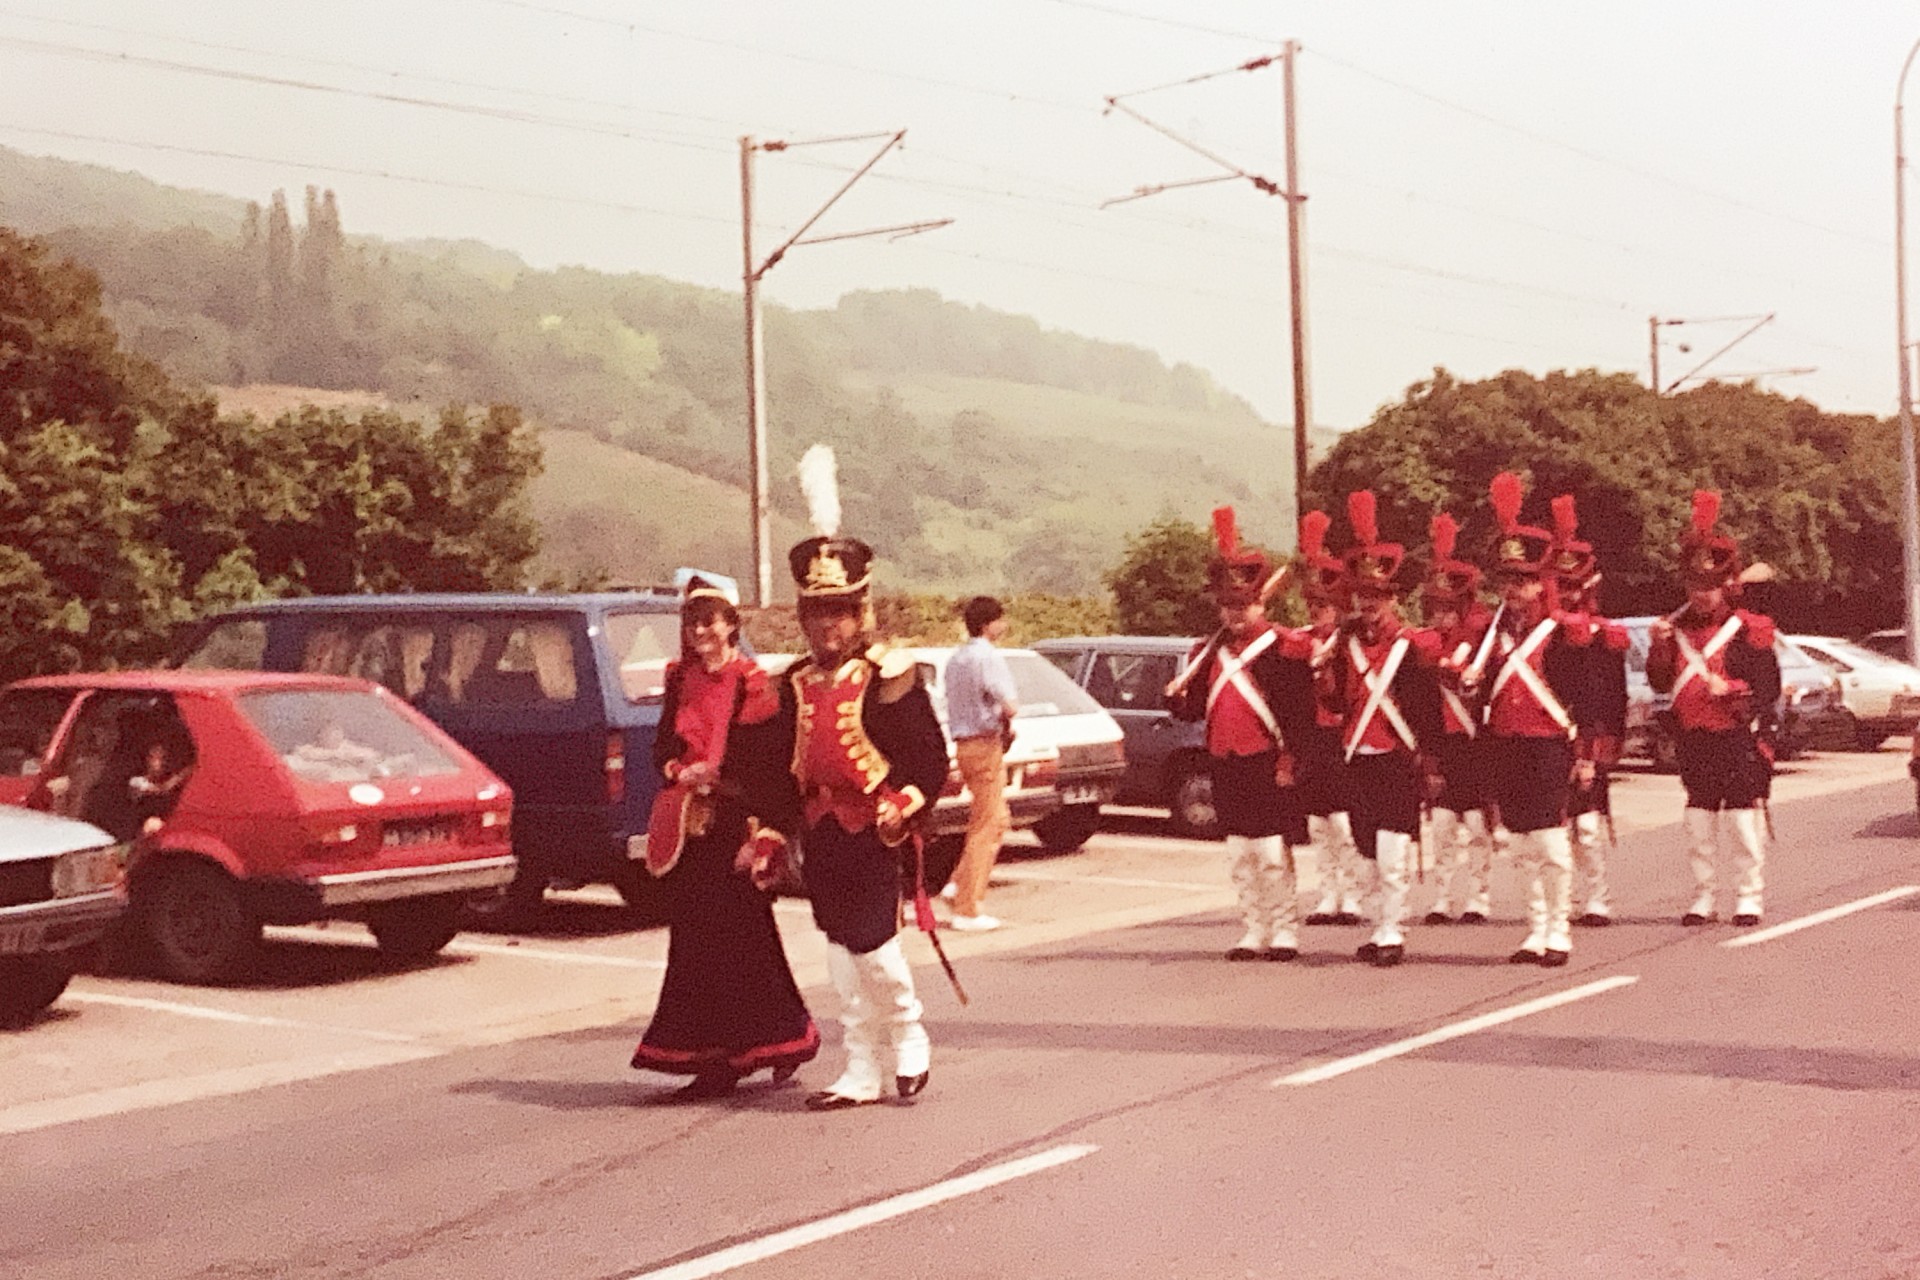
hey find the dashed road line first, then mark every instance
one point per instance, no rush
(772, 1246)
(211, 1013)
(1786, 927)
(1453, 1031)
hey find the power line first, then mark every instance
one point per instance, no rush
(1176, 23)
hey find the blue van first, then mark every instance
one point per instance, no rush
(558, 694)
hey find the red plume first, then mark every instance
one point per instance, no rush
(1226, 531)
(1506, 494)
(1566, 522)
(1446, 532)
(1313, 533)
(1362, 515)
(1706, 511)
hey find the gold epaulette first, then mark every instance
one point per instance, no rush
(894, 669)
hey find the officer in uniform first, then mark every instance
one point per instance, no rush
(1603, 724)
(1719, 664)
(868, 757)
(1535, 695)
(1462, 835)
(1322, 775)
(1382, 674)
(1252, 685)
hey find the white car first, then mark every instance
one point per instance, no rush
(62, 883)
(1882, 694)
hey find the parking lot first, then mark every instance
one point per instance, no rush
(325, 1002)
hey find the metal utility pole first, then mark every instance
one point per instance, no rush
(759, 504)
(1653, 353)
(1296, 225)
(1656, 323)
(1909, 482)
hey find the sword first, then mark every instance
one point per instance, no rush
(923, 914)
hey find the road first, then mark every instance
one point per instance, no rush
(1117, 1101)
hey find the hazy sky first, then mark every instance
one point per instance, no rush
(1491, 185)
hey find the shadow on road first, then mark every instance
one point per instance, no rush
(1773, 1064)
(622, 1095)
(1893, 826)
(568, 918)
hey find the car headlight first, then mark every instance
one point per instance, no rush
(87, 871)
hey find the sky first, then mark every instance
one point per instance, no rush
(1489, 185)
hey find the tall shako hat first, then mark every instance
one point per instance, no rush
(1571, 560)
(1521, 549)
(827, 566)
(1323, 578)
(1450, 582)
(1236, 573)
(1371, 564)
(1708, 557)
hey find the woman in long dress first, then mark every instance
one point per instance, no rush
(729, 1006)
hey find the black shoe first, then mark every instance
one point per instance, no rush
(1348, 917)
(785, 1072)
(1746, 919)
(1367, 951)
(1473, 917)
(1282, 954)
(1693, 919)
(1524, 956)
(1438, 917)
(1594, 920)
(1551, 959)
(1388, 956)
(713, 1084)
(909, 1086)
(828, 1100)
(1322, 917)
(1243, 953)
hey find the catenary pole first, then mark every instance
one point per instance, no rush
(1296, 289)
(757, 502)
(1909, 481)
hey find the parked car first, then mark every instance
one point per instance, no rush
(1166, 758)
(558, 694)
(62, 884)
(1890, 644)
(1882, 695)
(254, 799)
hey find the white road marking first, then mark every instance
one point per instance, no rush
(463, 946)
(1017, 874)
(1821, 917)
(1439, 1035)
(211, 1014)
(751, 1251)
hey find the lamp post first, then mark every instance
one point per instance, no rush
(1909, 482)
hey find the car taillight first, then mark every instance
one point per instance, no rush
(1043, 773)
(616, 768)
(337, 837)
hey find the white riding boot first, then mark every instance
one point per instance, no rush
(1355, 871)
(897, 1006)
(1703, 843)
(1479, 860)
(1590, 859)
(1749, 864)
(1556, 888)
(1244, 866)
(1529, 858)
(1449, 855)
(1393, 852)
(1279, 893)
(860, 1078)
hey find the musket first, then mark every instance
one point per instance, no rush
(1268, 590)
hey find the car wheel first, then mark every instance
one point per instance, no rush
(515, 906)
(639, 888)
(196, 923)
(1192, 805)
(28, 984)
(1661, 749)
(1068, 829)
(1868, 739)
(415, 928)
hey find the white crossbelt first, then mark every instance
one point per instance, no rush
(1233, 671)
(1379, 698)
(1519, 666)
(1695, 660)
(1461, 715)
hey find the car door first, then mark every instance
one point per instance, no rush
(29, 721)
(1132, 686)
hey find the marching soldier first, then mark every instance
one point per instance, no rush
(1382, 675)
(1322, 777)
(1535, 696)
(1462, 835)
(868, 755)
(1577, 578)
(1718, 662)
(1252, 685)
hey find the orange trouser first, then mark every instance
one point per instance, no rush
(983, 769)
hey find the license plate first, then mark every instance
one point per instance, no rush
(1080, 795)
(21, 939)
(401, 834)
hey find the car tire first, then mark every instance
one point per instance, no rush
(1067, 829)
(1868, 739)
(416, 928)
(1661, 749)
(28, 984)
(1191, 802)
(195, 922)
(514, 907)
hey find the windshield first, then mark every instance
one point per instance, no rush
(327, 735)
(640, 644)
(1041, 688)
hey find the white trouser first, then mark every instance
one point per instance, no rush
(897, 1007)
(1749, 860)
(1263, 874)
(876, 998)
(1461, 844)
(1546, 864)
(860, 1078)
(1393, 855)
(1590, 860)
(1341, 873)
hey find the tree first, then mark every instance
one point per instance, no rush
(1159, 585)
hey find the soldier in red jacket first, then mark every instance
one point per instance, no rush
(1719, 664)
(1322, 777)
(1462, 839)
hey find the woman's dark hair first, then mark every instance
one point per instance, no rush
(703, 609)
(980, 613)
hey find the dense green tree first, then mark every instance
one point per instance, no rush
(1159, 585)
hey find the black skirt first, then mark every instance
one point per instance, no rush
(1386, 797)
(1249, 803)
(1463, 772)
(1320, 774)
(1530, 780)
(1722, 769)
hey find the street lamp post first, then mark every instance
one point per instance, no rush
(1909, 481)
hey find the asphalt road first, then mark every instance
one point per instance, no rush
(1117, 1100)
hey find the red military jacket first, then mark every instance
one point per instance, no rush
(1407, 717)
(1536, 680)
(1458, 646)
(1273, 670)
(1737, 647)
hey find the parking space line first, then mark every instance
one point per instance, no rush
(463, 946)
(1786, 927)
(1453, 1031)
(212, 1014)
(839, 1224)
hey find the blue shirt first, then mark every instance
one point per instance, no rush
(979, 686)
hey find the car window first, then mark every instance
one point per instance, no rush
(641, 644)
(1044, 690)
(236, 645)
(126, 760)
(1132, 681)
(28, 720)
(1826, 658)
(398, 655)
(509, 661)
(1066, 659)
(343, 735)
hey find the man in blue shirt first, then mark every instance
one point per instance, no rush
(981, 704)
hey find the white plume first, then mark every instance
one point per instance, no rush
(820, 482)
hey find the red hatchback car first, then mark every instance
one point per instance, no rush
(256, 799)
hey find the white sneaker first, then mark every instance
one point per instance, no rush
(973, 924)
(951, 892)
